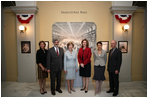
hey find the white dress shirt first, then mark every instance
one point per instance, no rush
(57, 48)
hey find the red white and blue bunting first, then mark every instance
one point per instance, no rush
(123, 18)
(24, 18)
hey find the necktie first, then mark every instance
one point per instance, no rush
(112, 51)
(57, 51)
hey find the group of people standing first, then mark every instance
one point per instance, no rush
(54, 60)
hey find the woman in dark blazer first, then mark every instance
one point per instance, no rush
(41, 62)
(84, 56)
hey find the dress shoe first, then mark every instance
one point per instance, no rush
(53, 93)
(86, 91)
(82, 89)
(69, 92)
(73, 90)
(110, 91)
(41, 91)
(59, 90)
(115, 94)
(45, 91)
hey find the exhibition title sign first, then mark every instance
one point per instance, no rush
(74, 12)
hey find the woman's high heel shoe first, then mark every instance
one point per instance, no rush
(82, 89)
(73, 90)
(69, 91)
(44, 91)
(41, 91)
(86, 91)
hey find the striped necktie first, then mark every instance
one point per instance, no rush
(57, 51)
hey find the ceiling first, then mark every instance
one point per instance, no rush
(140, 3)
(8, 3)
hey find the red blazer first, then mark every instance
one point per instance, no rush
(86, 56)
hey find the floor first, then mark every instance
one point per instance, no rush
(127, 89)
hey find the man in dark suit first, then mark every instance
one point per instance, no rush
(55, 63)
(114, 64)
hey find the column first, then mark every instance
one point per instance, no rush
(119, 35)
(26, 59)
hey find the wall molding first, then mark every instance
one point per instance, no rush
(24, 9)
(123, 9)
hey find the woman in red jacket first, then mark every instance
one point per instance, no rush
(84, 56)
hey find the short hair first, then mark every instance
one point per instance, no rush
(115, 41)
(55, 40)
(42, 42)
(70, 43)
(87, 43)
(99, 42)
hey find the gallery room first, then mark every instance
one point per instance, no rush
(73, 48)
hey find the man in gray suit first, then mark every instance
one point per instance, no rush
(55, 63)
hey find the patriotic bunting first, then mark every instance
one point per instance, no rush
(123, 18)
(24, 18)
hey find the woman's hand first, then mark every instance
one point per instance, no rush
(76, 70)
(82, 65)
(48, 71)
(43, 68)
(65, 71)
(116, 71)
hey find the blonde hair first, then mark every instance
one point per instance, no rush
(70, 43)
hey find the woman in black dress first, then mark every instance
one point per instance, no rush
(41, 62)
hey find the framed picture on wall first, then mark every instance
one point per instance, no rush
(80, 30)
(123, 46)
(47, 45)
(105, 46)
(25, 47)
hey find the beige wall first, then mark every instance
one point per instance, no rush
(97, 12)
(138, 45)
(50, 12)
(10, 45)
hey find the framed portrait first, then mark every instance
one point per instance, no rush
(105, 46)
(123, 46)
(47, 45)
(25, 47)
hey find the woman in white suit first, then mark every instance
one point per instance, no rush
(70, 66)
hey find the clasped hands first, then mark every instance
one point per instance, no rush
(82, 65)
(66, 71)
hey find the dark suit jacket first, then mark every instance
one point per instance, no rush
(55, 62)
(114, 60)
(41, 57)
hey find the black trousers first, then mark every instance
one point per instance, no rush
(114, 82)
(53, 76)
